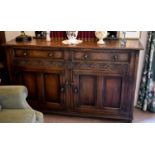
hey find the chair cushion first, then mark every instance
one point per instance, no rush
(17, 116)
(13, 97)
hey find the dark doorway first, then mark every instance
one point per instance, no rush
(3, 66)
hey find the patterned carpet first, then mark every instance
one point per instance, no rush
(139, 117)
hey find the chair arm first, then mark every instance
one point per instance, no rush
(13, 97)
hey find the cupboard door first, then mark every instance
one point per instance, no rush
(99, 93)
(84, 90)
(45, 89)
(54, 90)
(112, 89)
(28, 79)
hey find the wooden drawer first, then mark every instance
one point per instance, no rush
(39, 54)
(38, 63)
(98, 56)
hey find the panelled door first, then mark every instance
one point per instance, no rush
(45, 89)
(99, 93)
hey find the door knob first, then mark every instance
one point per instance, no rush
(75, 90)
(62, 89)
(67, 83)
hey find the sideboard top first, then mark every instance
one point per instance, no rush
(110, 44)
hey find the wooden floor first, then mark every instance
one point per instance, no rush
(139, 117)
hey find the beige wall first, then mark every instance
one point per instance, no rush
(12, 34)
(143, 40)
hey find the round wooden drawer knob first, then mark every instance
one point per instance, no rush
(115, 57)
(25, 54)
(86, 56)
(50, 54)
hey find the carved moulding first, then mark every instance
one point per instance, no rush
(40, 62)
(107, 67)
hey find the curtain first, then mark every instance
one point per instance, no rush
(146, 96)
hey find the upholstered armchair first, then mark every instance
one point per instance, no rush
(14, 107)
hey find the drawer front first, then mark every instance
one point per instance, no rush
(98, 56)
(39, 63)
(39, 54)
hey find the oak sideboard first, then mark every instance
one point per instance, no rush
(87, 80)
